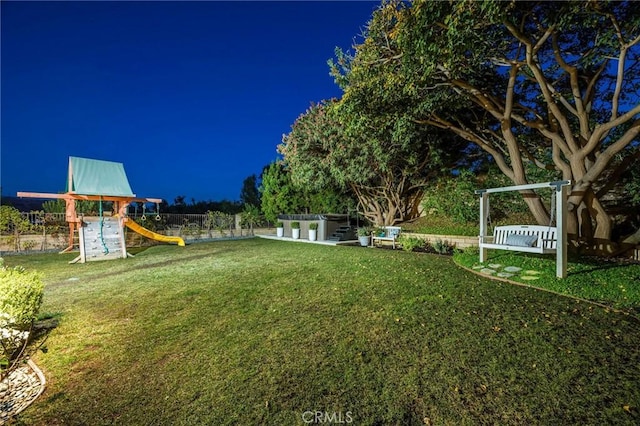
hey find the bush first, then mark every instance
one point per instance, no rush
(313, 226)
(222, 222)
(454, 197)
(443, 247)
(364, 231)
(12, 223)
(250, 217)
(411, 243)
(472, 251)
(20, 299)
(295, 225)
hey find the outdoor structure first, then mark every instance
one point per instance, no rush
(333, 227)
(529, 238)
(100, 237)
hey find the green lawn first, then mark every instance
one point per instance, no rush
(613, 283)
(263, 332)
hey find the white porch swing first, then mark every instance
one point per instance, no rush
(528, 238)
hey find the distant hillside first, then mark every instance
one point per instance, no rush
(22, 204)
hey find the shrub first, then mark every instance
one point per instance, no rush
(454, 197)
(411, 243)
(313, 226)
(295, 225)
(54, 206)
(250, 217)
(443, 247)
(222, 222)
(279, 225)
(472, 251)
(20, 299)
(12, 223)
(364, 231)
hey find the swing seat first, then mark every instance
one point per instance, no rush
(524, 238)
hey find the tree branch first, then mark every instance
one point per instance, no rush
(532, 63)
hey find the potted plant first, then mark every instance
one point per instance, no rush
(295, 230)
(280, 229)
(364, 236)
(313, 231)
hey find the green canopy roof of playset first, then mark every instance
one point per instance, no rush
(97, 177)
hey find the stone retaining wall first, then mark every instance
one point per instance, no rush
(458, 241)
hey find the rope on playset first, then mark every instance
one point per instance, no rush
(105, 249)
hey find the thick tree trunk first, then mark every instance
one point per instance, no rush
(385, 207)
(591, 219)
(537, 208)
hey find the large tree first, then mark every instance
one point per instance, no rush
(281, 195)
(250, 194)
(382, 156)
(278, 194)
(554, 84)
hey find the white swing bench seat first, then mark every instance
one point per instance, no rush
(524, 238)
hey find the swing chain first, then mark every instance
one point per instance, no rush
(552, 215)
(489, 224)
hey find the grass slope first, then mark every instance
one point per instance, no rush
(260, 332)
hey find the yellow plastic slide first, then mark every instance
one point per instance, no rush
(150, 234)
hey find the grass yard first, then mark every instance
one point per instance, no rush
(613, 283)
(259, 331)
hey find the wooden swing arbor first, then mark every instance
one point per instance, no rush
(96, 180)
(528, 238)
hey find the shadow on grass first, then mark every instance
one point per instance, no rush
(161, 264)
(591, 264)
(37, 338)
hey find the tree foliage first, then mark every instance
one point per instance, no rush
(250, 193)
(180, 206)
(549, 84)
(278, 193)
(281, 195)
(382, 156)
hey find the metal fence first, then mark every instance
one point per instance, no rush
(37, 222)
(173, 221)
(39, 231)
(33, 231)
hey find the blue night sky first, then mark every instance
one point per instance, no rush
(192, 97)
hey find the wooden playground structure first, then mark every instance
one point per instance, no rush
(101, 237)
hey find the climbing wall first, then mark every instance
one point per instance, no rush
(101, 239)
